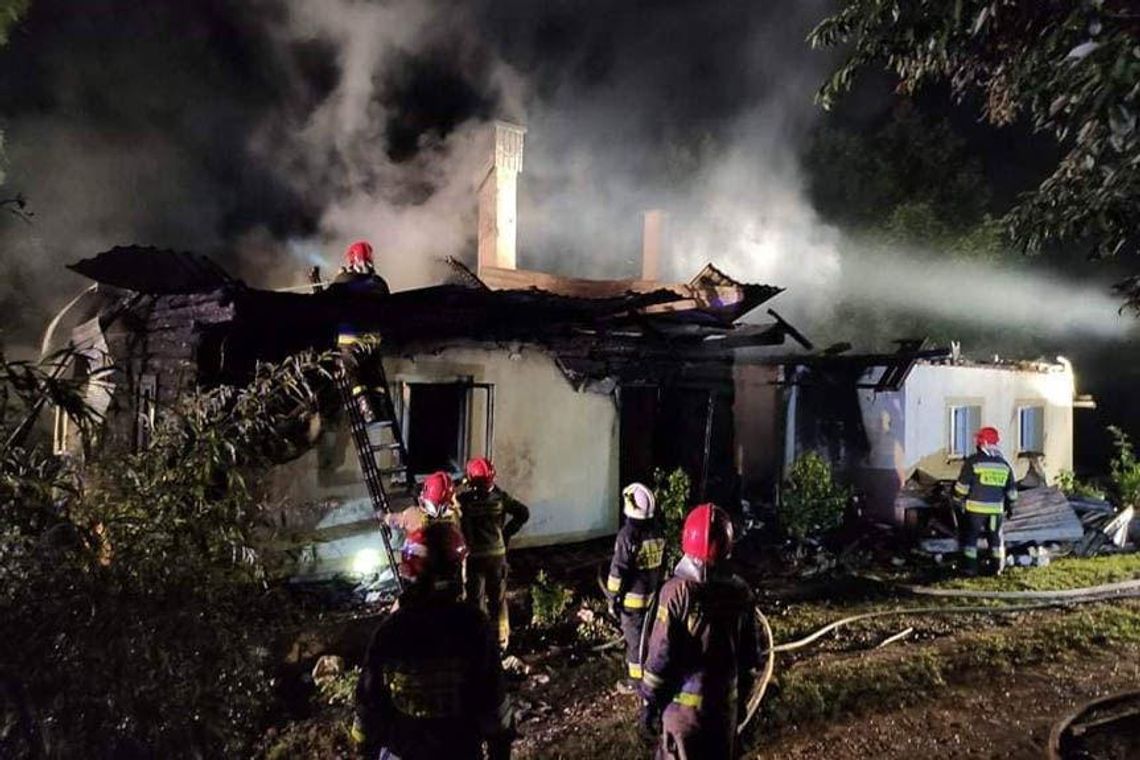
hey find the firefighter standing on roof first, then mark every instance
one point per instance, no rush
(704, 651)
(986, 491)
(358, 346)
(635, 571)
(489, 517)
(431, 685)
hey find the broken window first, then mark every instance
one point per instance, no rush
(444, 424)
(965, 421)
(1031, 429)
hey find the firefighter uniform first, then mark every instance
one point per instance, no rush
(489, 519)
(985, 490)
(635, 574)
(702, 661)
(432, 685)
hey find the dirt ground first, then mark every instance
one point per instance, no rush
(578, 714)
(1009, 716)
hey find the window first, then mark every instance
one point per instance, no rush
(1031, 429)
(445, 423)
(964, 424)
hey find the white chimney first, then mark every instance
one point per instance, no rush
(498, 198)
(652, 244)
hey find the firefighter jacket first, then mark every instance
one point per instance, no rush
(986, 484)
(704, 650)
(489, 519)
(635, 571)
(431, 685)
(359, 283)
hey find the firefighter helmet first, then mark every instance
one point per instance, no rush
(480, 472)
(358, 256)
(707, 535)
(638, 502)
(987, 436)
(437, 493)
(437, 549)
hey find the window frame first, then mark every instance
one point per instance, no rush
(951, 408)
(1023, 407)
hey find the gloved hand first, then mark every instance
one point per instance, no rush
(650, 719)
(616, 606)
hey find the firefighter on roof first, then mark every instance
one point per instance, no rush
(985, 492)
(359, 347)
(431, 685)
(358, 275)
(635, 571)
(489, 517)
(704, 649)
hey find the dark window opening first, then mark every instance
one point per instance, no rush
(436, 426)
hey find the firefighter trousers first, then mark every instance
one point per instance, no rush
(976, 525)
(632, 622)
(486, 586)
(689, 735)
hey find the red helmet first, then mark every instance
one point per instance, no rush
(358, 255)
(481, 472)
(437, 493)
(437, 548)
(987, 436)
(707, 535)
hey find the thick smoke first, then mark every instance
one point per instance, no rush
(272, 133)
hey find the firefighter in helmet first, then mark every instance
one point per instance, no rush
(635, 570)
(436, 503)
(358, 275)
(432, 685)
(985, 493)
(704, 650)
(489, 517)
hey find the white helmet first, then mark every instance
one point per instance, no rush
(638, 502)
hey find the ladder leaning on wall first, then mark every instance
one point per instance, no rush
(375, 427)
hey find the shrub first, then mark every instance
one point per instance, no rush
(549, 600)
(811, 503)
(133, 601)
(672, 494)
(1072, 486)
(1125, 470)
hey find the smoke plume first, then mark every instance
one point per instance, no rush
(271, 133)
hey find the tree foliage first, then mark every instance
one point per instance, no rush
(134, 606)
(1125, 469)
(1072, 67)
(671, 492)
(811, 502)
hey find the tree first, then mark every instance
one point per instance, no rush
(11, 11)
(1070, 66)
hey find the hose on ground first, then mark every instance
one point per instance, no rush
(765, 678)
(1107, 590)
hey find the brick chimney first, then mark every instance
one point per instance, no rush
(652, 244)
(498, 197)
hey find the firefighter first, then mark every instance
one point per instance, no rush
(985, 492)
(436, 503)
(490, 517)
(704, 649)
(635, 571)
(431, 684)
(358, 275)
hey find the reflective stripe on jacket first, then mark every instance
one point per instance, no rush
(635, 570)
(704, 648)
(986, 484)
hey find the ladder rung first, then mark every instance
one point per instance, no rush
(394, 470)
(385, 446)
(380, 423)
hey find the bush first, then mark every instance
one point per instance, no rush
(672, 494)
(1125, 470)
(134, 606)
(1072, 486)
(811, 503)
(549, 600)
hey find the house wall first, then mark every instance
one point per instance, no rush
(757, 417)
(909, 429)
(554, 449)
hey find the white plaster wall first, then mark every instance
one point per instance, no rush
(555, 449)
(1000, 392)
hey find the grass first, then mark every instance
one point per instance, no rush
(1064, 573)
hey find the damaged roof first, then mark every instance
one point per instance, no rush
(599, 331)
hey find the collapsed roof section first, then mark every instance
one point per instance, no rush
(602, 333)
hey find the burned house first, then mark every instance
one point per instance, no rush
(573, 386)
